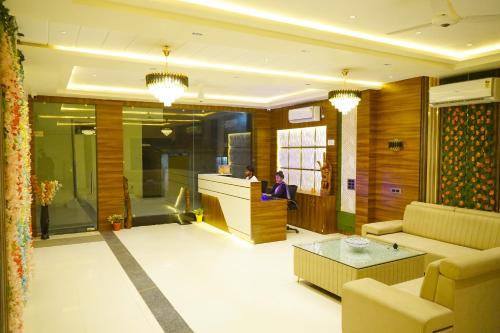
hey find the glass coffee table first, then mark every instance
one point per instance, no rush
(331, 263)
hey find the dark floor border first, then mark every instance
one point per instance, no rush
(168, 318)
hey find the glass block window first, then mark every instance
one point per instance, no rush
(299, 151)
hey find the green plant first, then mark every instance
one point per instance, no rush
(115, 218)
(198, 211)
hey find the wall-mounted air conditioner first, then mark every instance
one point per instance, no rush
(304, 115)
(467, 92)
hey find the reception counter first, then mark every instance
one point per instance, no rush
(235, 205)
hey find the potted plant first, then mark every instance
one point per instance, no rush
(199, 214)
(116, 221)
(45, 193)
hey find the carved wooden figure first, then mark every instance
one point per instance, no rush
(326, 176)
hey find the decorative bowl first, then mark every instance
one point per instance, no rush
(357, 242)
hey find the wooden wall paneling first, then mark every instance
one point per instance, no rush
(397, 115)
(109, 140)
(212, 212)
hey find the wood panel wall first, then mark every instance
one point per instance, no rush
(314, 212)
(394, 112)
(109, 136)
(4, 315)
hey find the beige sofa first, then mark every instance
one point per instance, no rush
(440, 231)
(459, 295)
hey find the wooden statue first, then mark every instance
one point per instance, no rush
(326, 176)
(128, 204)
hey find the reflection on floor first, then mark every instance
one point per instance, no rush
(81, 288)
(151, 206)
(219, 283)
(216, 282)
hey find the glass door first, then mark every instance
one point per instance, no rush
(65, 150)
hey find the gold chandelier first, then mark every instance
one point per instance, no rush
(165, 86)
(344, 100)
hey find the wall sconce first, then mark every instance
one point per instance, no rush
(395, 144)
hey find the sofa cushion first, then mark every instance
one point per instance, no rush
(435, 249)
(475, 228)
(413, 286)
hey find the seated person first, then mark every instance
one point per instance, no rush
(280, 189)
(250, 174)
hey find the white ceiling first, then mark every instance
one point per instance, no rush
(142, 27)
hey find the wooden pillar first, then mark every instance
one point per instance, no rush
(109, 132)
(261, 149)
(365, 161)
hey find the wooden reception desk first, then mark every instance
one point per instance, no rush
(235, 205)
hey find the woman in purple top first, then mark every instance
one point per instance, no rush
(279, 189)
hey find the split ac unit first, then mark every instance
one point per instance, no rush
(304, 115)
(467, 92)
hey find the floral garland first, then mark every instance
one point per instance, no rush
(17, 164)
(468, 170)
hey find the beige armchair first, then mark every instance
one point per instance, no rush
(459, 295)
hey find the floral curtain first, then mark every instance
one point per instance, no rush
(17, 169)
(468, 156)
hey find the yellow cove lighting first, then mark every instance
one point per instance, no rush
(308, 24)
(145, 92)
(208, 65)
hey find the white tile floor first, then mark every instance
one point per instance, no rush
(219, 283)
(82, 289)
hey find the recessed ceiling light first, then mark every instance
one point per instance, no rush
(63, 32)
(418, 33)
(94, 75)
(469, 44)
(352, 17)
(197, 34)
(390, 76)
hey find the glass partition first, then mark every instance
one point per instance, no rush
(65, 150)
(165, 150)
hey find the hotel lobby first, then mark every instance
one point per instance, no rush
(249, 166)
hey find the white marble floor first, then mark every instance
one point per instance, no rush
(219, 283)
(82, 288)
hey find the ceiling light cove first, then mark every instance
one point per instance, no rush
(190, 63)
(303, 23)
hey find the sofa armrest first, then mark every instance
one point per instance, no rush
(371, 306)
(382, 228)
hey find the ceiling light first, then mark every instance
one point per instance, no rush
(344, 100)
(418, 33)
(63, 32)
(469, 44)
(165, 86)
(166, 131)
(352, 17)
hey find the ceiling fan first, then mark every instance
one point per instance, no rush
(445, 15)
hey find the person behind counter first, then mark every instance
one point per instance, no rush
(280, 189)
(250, 174)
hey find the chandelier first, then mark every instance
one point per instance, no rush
(344, 100)
(165, 86)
